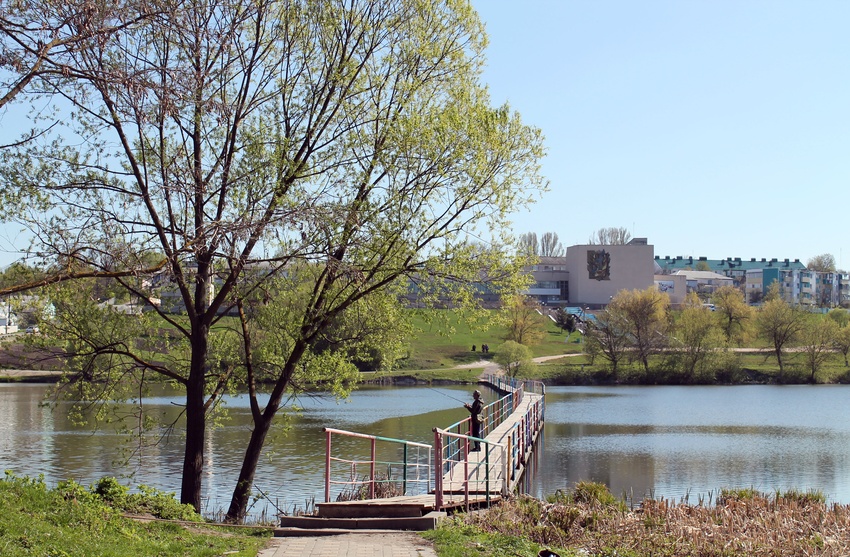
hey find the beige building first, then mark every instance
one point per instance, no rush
(675, 286)
(598, 272)
(590, 275)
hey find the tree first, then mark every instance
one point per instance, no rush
(550, 246)
(608, 336)
(37, 36)
(528, 244)
(823, 263)
(515, 358)
(840, 316)
(780, 323)
(547, 246)
(699, 335)
(643, 314)
(610, 236)
(818, 337)
(351, 139)
(565, 321)
(703, 266)
(732, 312)
(842, 342)
(523, 319)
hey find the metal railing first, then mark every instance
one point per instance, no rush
(453, 471)
(520, 438)
(410, 471)
(492, 416)
(456, 474)
(506, 384)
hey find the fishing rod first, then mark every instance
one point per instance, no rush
(447, 395)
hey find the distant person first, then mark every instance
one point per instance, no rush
(475, 414)
(473, 348)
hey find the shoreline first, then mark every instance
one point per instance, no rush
(30, 376)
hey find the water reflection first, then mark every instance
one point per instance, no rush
(661, 441)
(35, 440)
(692, 441)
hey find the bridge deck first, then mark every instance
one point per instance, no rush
(464, 483)
(477, 468)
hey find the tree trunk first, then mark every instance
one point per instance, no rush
(193, 458)
(242, 492)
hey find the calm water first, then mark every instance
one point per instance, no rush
(661, 441)
(677, 441)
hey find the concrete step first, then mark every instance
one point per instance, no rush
(384, 508)
(311, 525)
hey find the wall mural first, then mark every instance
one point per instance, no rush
(599, 264)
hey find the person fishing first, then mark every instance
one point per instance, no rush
(475, 418)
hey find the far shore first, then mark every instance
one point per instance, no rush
(29, 376)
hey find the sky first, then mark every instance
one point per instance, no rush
(712, 128)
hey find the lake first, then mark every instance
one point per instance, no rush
(667, 442)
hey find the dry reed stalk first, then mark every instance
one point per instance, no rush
(757, 526)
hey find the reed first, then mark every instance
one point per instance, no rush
(742, 522)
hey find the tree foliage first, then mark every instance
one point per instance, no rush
(780, 323)
(842, 342)
(523, 319)
(823, 263)
(699, 339)
(547, 245)
(343, 149)
(611, 236)
(643, 314)
(515, 358)
(528, 244)
(565, 321)
(608, 337)
(818, 337)
(550, 246)
(733, 313)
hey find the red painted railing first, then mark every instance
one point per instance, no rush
(412, 468)
(450, 455)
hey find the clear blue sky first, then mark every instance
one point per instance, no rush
(712, 128)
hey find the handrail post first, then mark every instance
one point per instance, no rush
(404, 472)
(328, 466)
(438, 470)
(466, 473)
(372, 473)
(428, 475)
(487, 473)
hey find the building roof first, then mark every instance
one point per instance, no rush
(723, 266)
(702, 275)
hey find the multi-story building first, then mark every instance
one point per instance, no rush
(590, 275)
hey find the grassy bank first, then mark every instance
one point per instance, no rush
(590, 521)
(444, 339)
(71, 520)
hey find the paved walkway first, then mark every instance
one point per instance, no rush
(371, 544)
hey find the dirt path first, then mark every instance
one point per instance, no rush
(383, 544)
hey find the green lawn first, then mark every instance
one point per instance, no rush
(444, 339)
(71, 521)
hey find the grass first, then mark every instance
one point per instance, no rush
(590, 521)
(70, 520)
(445, 339)
(458, 539)
(450, 375)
